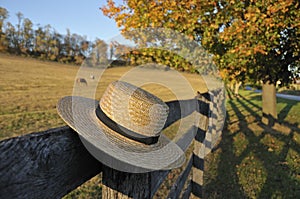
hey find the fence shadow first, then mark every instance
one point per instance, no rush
(287, 107)
(252, 159)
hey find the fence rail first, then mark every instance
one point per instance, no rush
(52, 163)
(44, 165)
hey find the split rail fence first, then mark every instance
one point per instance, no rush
(52, 163)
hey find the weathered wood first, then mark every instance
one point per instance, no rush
(187, 192)
(157, 178)
(178, 185)
(183, 108)
(197, 177)
(197, 169)
(213, 128)
(44, 165)
(122, 185)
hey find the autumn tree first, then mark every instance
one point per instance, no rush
(41, 48)
(119, 49)
(18, 36)
(80, 47)
(10, 34)
(28, 36)
(256, 40)
(3, 17)
(57, 40)
(100, 51)
(44, 42)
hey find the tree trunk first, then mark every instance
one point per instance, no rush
(236, 88)
(269, 103)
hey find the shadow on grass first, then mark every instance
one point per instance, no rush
(286, 109)
(254, 160)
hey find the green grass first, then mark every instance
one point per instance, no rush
(253, 160)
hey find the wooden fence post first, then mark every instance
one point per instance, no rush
(198, 153)
(46, 164)
(211, 126)
(122, 185)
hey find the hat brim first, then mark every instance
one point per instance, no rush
(113, 149)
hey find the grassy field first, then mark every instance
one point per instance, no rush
(253, 160)
(30, 89)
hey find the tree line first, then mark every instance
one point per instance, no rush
(45, 43)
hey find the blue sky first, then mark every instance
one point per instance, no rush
(81, 17)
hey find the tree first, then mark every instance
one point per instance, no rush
(28, 36)
(57, 40)
(18, 40)
(39, 47)
(111, 50)
(45, 42)
(256, 40)
(10, 35)
(85, 48)
(67, 47)
(100, 51)
(79, 46)
(3, 17)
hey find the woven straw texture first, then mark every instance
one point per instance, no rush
(134, 108)
(113, 149)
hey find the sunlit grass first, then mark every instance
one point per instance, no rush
(251, 175)
(253, 160)
(30, 90)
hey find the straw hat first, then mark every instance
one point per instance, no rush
(123, 129)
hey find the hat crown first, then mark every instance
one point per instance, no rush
(134, 108)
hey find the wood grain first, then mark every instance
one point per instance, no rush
(44, 165)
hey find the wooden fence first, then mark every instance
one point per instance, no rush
(52, 163)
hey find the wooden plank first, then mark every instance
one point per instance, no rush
(178, 185)
(157, 178)
(122, 185)
(187, 192)
(198, 151)
(44, 165)
(183, 108)
(213, 128)
(197, 177)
